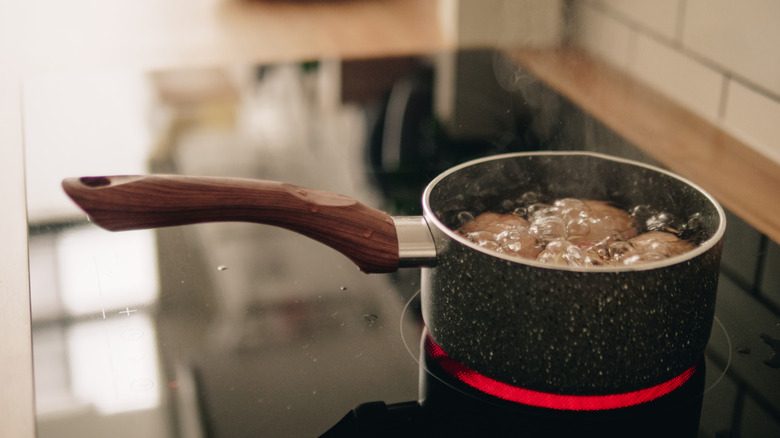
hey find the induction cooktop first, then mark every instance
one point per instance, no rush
(234, 329)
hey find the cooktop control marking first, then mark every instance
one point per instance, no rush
(128, 311)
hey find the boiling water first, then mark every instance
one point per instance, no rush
(579, 232)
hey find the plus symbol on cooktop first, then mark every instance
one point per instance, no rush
(128, 311)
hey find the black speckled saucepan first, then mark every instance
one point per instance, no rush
(561, 329)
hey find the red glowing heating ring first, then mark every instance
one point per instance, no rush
(548, 400)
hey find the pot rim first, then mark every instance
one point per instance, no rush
(702, 248)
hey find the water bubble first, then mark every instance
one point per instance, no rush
(620, 249)
(574, 256)
(465, 217)
(570, 204)
(643, 258)
(641, 211)
(548, 228)
(598, 250)
(694, 224)
(512, 236)
(535, 207)
(554, 252)
(548, 212)
(520, 211)
(530, 197)
(515, 247)
(578, 227)
(662, 221)
(485, 239)
(508, 205)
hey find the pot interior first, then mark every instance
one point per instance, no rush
(495, 183)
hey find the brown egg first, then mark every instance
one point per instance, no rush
(606, 220)
(493, 222)
(662, 243)
(506, 233)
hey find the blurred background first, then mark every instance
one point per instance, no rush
(234, 330)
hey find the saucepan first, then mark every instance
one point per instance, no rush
(566, 329)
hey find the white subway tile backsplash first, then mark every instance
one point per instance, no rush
(754, 118)
(603, 35)
(740, 36)
(681, 78)
(658, 16)
(718, 58)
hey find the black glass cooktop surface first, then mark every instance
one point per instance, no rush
(236, 329)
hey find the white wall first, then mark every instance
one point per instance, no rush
(718, 58)
(502, 23)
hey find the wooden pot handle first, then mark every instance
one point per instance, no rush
(364, 234)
